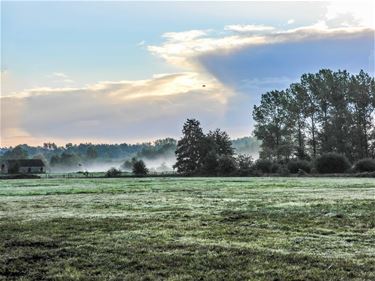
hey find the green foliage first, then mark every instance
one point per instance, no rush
(189, 148)
(273, 125)
(100, 153)
(160, 148)
(325, 112)
(65, 160)
(263, 165)
(244, 164)
(365, 165)
(226, 165)
(283, 170)
(128, 164)
(19, 152)
(332, 163)
(91, 153)
(139, 168)
(113, 172)
(197, 153)
(295, 166)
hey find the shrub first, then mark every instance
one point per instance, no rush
(226, 165)
(244, 163)
(296, 165)
(263, 165)
(275, 168)
(113, 172)
(365, 165)
(139, 168)
(332, 163)
(283, 171)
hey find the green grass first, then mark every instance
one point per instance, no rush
(188, 229)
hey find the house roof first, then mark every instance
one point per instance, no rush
(26, 162)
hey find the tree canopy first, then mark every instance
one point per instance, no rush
(325, 112)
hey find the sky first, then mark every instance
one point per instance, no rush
(113, 72)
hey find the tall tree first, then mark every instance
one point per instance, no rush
(298, 107)
(273, 125)
(189, 148)
(311, 109)
(326, 112)
(362, 104)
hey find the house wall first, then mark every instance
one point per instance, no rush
(32, 170)
(4, 168)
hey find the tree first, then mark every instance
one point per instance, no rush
(273, 125)
(49, 146)
(139, 168)
(226, 165)
(298, 107)
(17, 152)
(362, 104)
(244, 164)
(113, 172)
(311, 111)
(329, 111)
(217, 149)
(91, 153)
(128, 164)
(189, 148)
(221, 142)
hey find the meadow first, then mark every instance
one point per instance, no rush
(187, 229)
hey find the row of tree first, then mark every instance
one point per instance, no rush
(77, 156)
(325, 112)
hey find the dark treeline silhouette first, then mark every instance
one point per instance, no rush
(72, 155)
(323, 113)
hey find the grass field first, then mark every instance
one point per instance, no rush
(188, 229)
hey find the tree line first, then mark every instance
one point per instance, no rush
(329, 111)
(73, 155)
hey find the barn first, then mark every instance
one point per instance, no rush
(23, 166)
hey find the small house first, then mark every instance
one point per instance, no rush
(23, 166)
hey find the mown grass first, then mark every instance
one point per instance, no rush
(188, 229)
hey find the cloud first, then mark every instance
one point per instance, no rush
(237, 64)
(60, 77)
(184, 35)
(119, 110)
(359, 13)
(243, 28)
(184, 49)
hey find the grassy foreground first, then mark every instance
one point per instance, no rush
(188, 229)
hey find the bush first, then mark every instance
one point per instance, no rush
(275, 168)
(244, 163)
(332, 163)
(263, 165)
(139, 168)
(226, 165)
(365, 165)
(295, 165)
(113, 172)
(283, 171)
